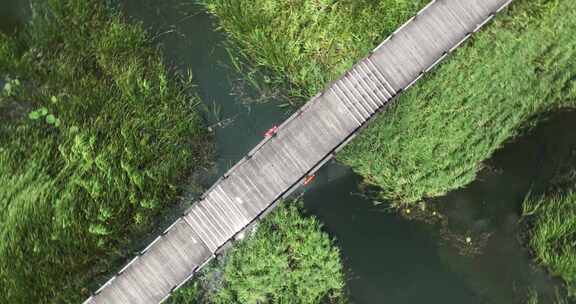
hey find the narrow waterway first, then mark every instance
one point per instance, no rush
(388, 258)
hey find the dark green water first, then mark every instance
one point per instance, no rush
(12, 14)
(388, 258)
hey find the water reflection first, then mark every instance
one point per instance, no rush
(389, 259)
(492, 205)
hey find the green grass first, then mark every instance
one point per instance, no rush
(288, 260)
(301, 45)
(437, 136)
(534, 298)
(95, 137)
(550, 223)
(552, 234)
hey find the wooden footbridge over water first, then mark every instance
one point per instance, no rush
(296, 150)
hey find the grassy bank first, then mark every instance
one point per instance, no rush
(302, 45)
(550, 221)
(289, 259)
(437, 136)
(552, 234)
(95, 136)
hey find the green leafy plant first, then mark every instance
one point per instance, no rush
(11, 87)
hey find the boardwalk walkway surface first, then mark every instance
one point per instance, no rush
(302, 144)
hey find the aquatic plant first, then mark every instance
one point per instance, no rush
(97, 138)
(552, 234)
(289, 259)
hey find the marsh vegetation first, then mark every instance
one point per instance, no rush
(302, 45)
(95, 137)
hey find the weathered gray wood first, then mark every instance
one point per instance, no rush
(236, 190)
(378, 73)
(350, 110)
(344, 93)
(303, 143)
(152, 276)
(373, 82)
(364, 83)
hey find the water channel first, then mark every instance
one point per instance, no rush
(388, 257)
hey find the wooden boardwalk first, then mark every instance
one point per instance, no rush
(302, 144)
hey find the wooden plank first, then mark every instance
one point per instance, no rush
(341, 125)
(288, 156)
(202, 229)
(319, 134)
(372, 79)
(353, 113)
(391, 67)
(487, 7)
(408, 60)
(426, 31)
(244, 176)
(341, 87)
(229, 207)
(377, 72)
(368, 86)
(286, 169)
(270, 171)
(327, 115)
(359, 93)
(251, 179)
(470, 9)
(449, 26)
(236, 189)
(225, 193)
(413, 61)
(429, 52)
(343, 94)
(310, 135)
(153, 275)
(212, 223)
(220, 216)
(255, 173)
